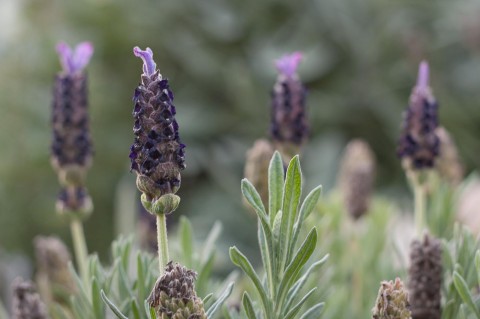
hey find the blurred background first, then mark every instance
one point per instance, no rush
(360, 63)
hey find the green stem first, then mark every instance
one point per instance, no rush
(80, 247)
(163, 258)
(419, 194)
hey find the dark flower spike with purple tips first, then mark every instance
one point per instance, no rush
(419, 144)
(157, 154)
(74, 60)
(71, 149)
(289, 127)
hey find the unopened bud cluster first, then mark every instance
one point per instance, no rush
(174, 296)
(419, 144)
(71, 150)
(157, 154)
(26, 303)
(289, 128)
(425, 278)
(357, 174)
(392, 301)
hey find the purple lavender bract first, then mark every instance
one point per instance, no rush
(419, 144)
(157, 154)
(289, 127)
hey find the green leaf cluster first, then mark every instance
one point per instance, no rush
(280, 295)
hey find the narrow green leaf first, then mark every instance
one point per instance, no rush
(314, 312)
(149, 310)
(464, 292)
(141, 270)
(135, 310)
(254, 199)
(299, 260)
(295, 309)
(292, 292)
(204, 275)
(83, 294)
(112, 306)
(220, 300)
(58, 312)
(275, 185)
(241, 261)
(97, 300)
(307, 207)
(207, 298)
(186, 241)
(291, 199)
(209, 244)
(248, 306)
(267, 256)
(477, 265)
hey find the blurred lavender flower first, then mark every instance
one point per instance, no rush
(289, 127)
(419, 144)
(356, 177)
(157, 154)
(26, 303)
(71, 150)
(425, 278)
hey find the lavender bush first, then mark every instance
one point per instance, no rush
(369, 242)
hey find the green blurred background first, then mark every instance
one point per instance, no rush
(360, 63)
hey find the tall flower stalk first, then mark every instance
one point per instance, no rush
(419, 145)
(71, 149)
(157, 154)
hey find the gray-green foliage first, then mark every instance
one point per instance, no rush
(461, 275)
(280, 293)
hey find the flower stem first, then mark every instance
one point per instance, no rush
(162, 242)
(80, 247)
(419, 194)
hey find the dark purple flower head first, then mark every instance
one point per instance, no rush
(71, 149)
(74, 60)
(157, 154)
(289, 127)
(419, 144)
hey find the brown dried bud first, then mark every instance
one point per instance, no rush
(26, 303)
(256, 167)
(392, 301)
(425, 278)
(53, 258)
(356, 178)
(448, 163)
(174, 296)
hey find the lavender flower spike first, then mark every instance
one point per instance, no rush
(289, 127)
(149, 65)
(157, 154)
(74, 60)
(419, 145)
(288, 64)
(71, 149)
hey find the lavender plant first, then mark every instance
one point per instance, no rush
(71, 150)
(279, 294)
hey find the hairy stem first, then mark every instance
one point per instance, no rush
(80, 247)
(419, 194)
(162, 242)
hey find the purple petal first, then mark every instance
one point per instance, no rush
(81, 56)
(65, 53)
(423, 75)
(288, 64)
(149, 65)
(74, 60)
